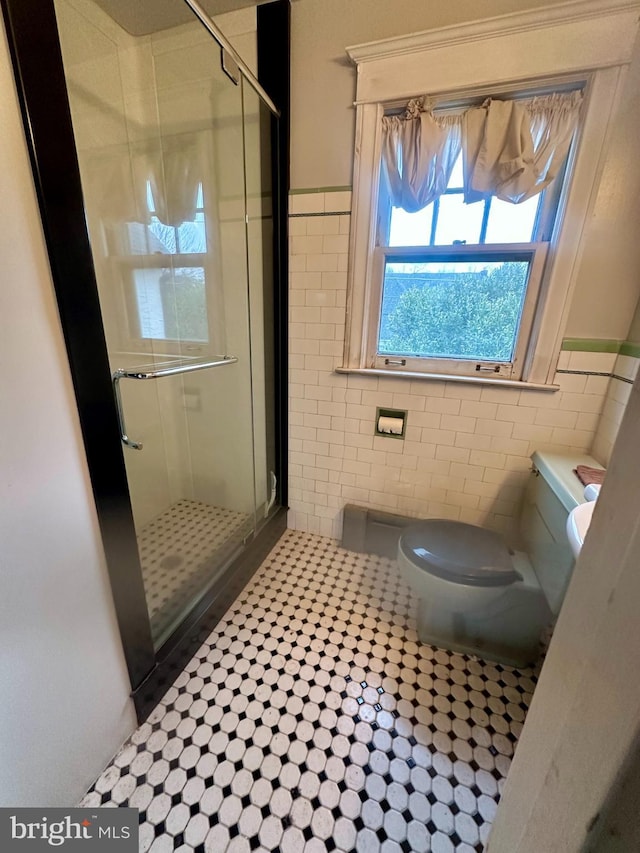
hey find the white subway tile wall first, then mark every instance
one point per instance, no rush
(615, 403)
(466, 451)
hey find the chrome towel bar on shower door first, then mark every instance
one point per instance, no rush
(171, 368)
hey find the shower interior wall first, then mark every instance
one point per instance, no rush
(124, 89)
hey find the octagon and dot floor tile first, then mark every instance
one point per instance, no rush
(372, 814)
(216, 840)
(311, 718)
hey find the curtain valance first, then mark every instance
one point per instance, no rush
(419, 150)
(510, 149)
(173, 167)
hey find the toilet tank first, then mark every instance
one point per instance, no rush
(552, 492)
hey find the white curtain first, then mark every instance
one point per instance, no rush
(419, 151)
(514, 149)
(118, 179)
(511, 149)
(175, 177)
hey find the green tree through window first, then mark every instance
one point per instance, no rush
(438, 311)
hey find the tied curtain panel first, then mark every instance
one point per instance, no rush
(510, 149)
(419, 151)
(172, 167)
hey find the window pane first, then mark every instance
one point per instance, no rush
(512, 223)
(191, 236)
(162, 238)
(458, 221)
(410, 229)
(136, 239)
(452, 309)
(456, 181)
(171, 304)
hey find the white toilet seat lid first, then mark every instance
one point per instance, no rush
(459, 552)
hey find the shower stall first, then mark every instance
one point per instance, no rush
(162, 204)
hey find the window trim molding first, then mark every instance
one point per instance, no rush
(571, 36)
(591, 38)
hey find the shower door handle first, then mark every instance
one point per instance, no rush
(274, 490)
(153, 372)
(124, 438)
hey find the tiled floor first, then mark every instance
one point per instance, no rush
(180, 552)
(313, 720)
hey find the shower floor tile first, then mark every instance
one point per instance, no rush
(181, 551)
(312, 719)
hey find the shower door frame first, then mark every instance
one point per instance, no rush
(34, 46)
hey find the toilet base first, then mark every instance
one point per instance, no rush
(506, 630)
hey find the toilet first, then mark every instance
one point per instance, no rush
(478, 596)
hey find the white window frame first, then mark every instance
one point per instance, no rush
(119, 267)
(127, 266)
(534, 253)
(591, 41)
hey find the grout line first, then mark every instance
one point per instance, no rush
(622, 378)
(316, 190)
(327, 213)
(596, 373)
(585, 372)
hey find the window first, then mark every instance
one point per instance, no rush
(455, 281)
(463, 307)
(484, 289)
(449, 221)
(454, 285)
(163, 268)
(160, 238)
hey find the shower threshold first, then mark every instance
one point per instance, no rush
(182, 552)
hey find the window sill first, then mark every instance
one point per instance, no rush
(450, 377)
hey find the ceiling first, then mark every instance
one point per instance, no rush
(142, 17)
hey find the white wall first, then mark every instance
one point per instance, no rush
(466, 453)
(624, 372)
(467, 448)
(323, 79)
(63, 680)
(323, 122)
(583, 721)
(618, 826)
(608, 282)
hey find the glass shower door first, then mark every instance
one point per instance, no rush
(160, 137)
(260, 242)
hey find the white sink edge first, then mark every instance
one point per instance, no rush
(578, 524)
